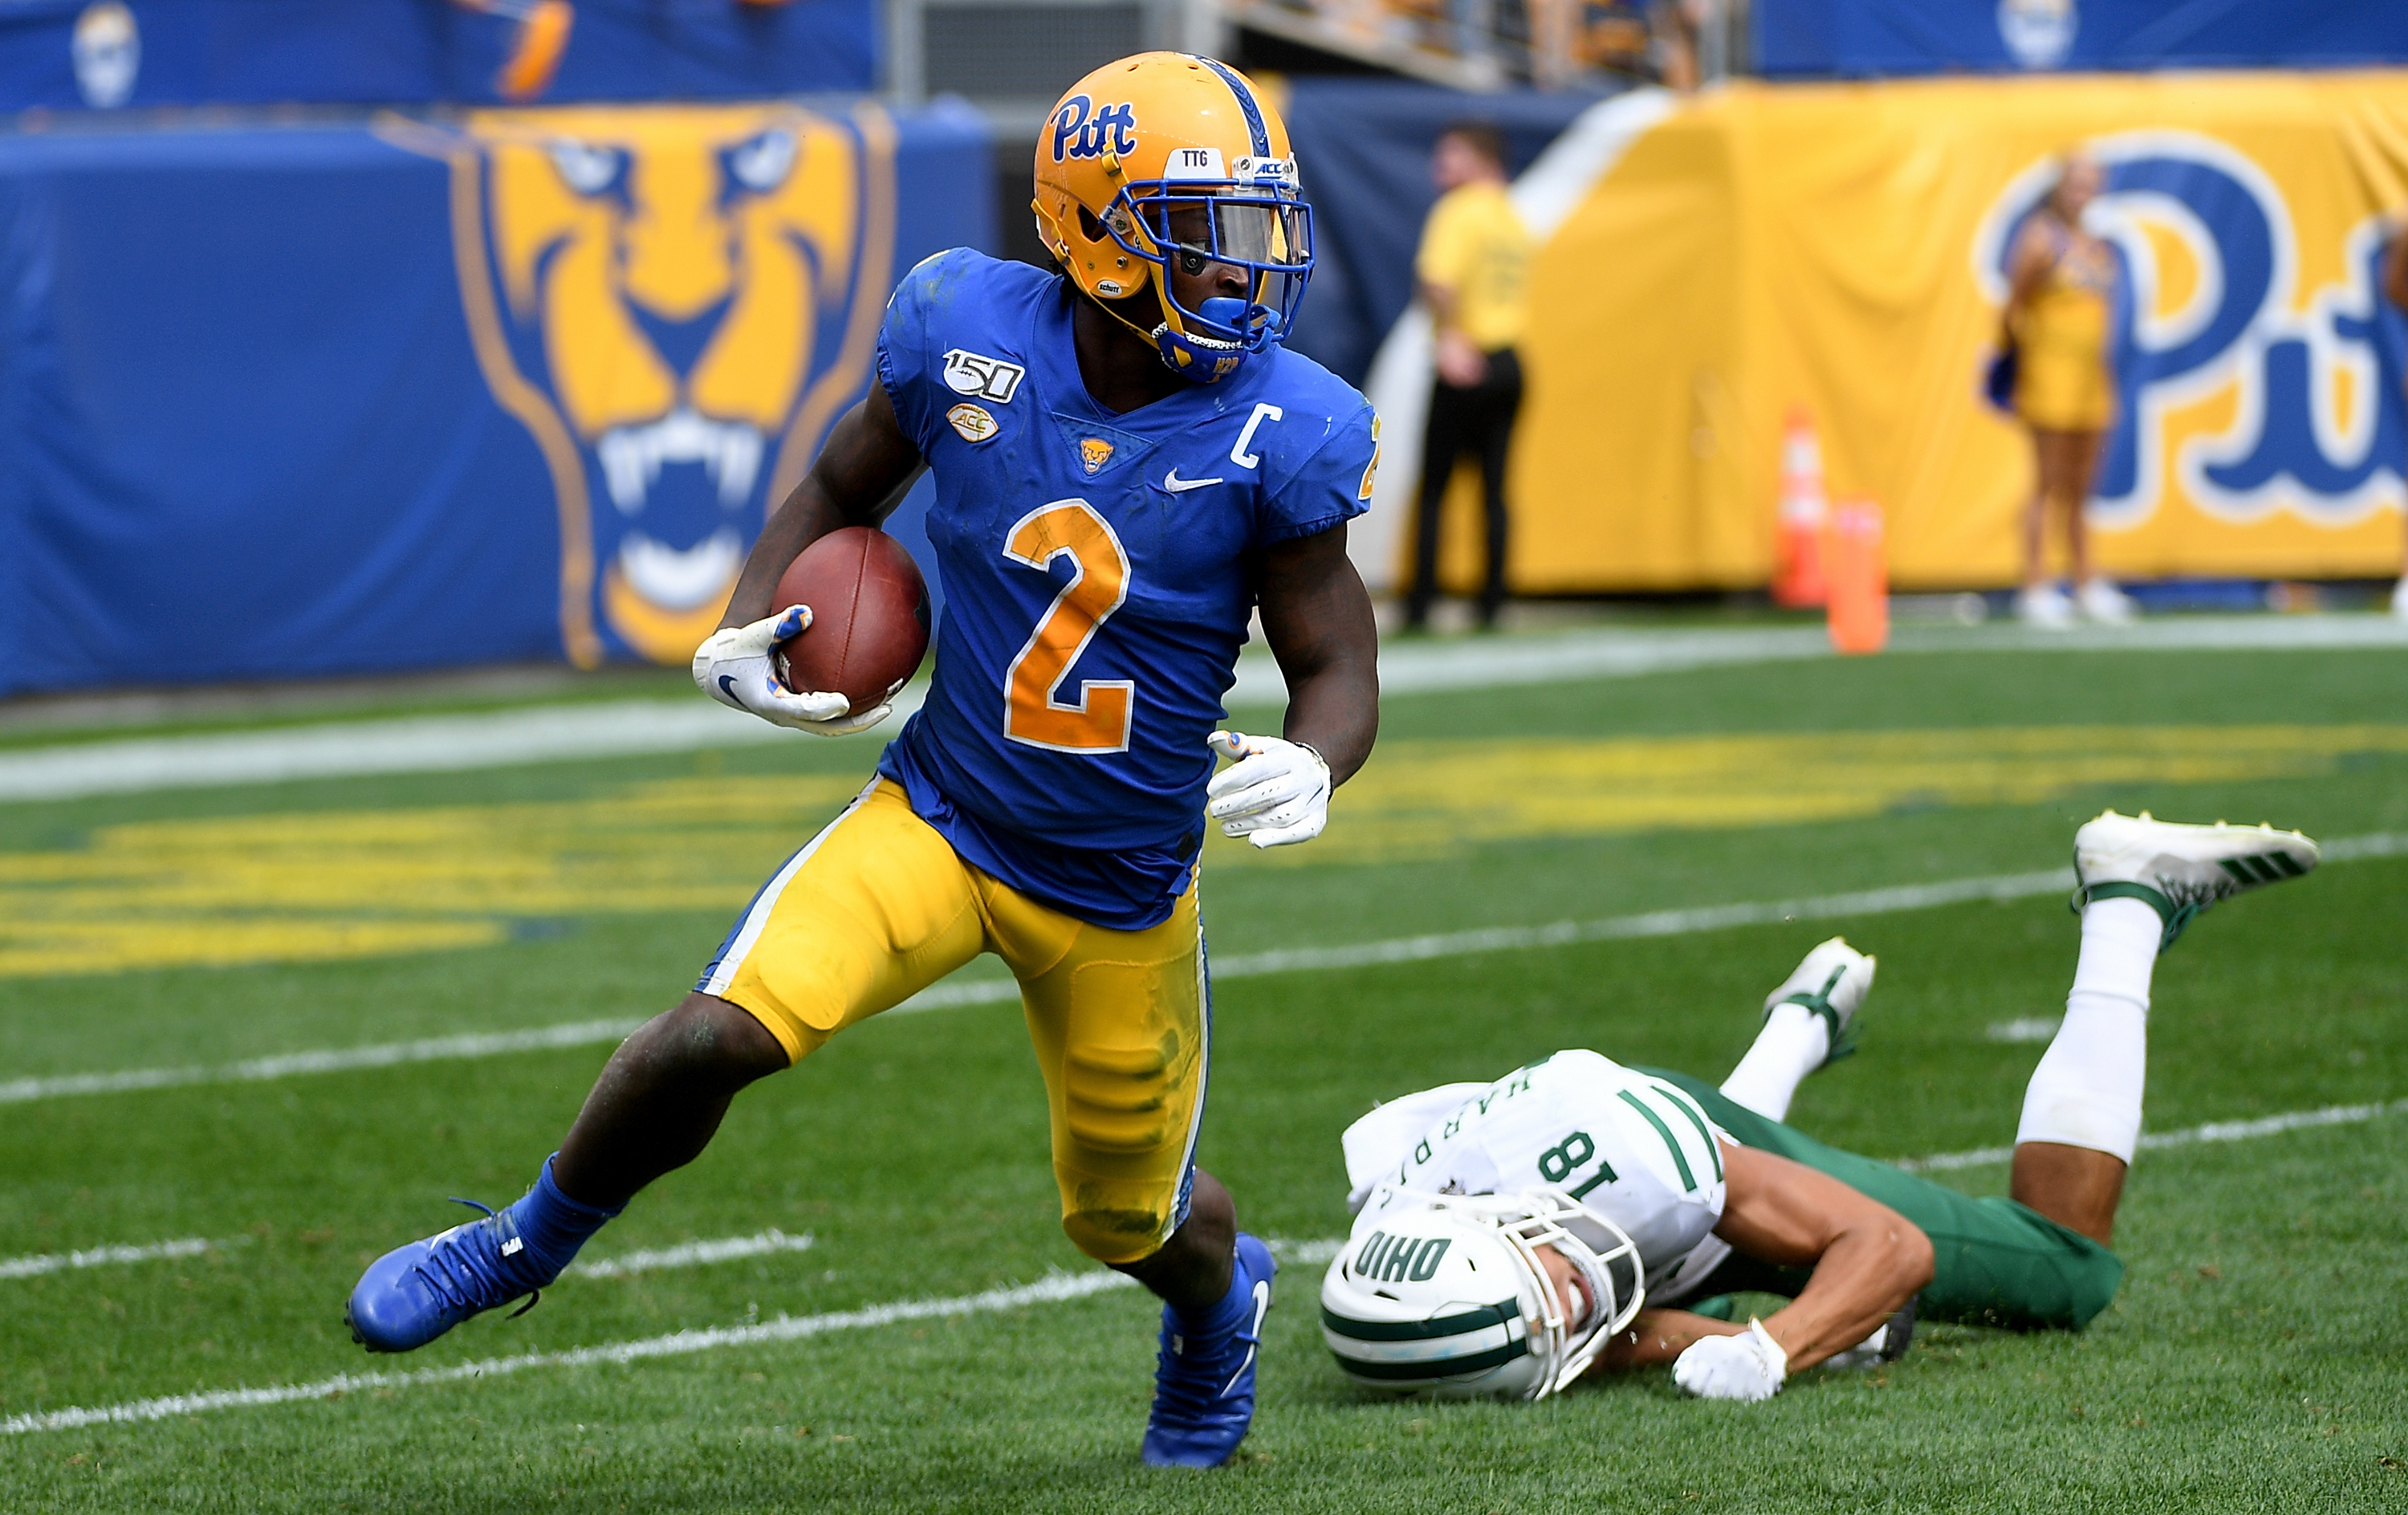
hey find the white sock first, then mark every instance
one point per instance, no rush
(2087, 1090)
(1792, 1044)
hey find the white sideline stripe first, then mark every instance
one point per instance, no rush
(633, 727)
(2002, 887)
(694, 1253)
(1054, 1289)
(36, 1264)
(1057, 1289)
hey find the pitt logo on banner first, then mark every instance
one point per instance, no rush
(675, 302)
(2249, 386)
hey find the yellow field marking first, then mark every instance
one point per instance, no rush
(318, 886)
(1424, 798)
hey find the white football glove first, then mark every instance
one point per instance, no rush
(1277, 793)
(1748, 1366)
(735, 666)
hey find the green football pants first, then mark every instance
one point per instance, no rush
(1994, 1262)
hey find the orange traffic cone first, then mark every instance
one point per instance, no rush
(1799, 519)
(1859, 578)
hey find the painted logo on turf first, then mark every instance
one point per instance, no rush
(974, 422)
(2247, 386)
(1095, 453)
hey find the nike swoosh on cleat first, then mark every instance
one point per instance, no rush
(1262, 1307)
(727, 685)
(1178, 486)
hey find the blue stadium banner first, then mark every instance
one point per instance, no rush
(412, 392)
(1876, 38)
(107, 54)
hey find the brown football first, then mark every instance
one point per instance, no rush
(870, 617)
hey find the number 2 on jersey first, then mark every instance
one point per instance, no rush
(1032, 714)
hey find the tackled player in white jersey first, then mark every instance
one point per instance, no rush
(1510, 1236)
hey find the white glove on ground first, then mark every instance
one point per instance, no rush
(735, 666)
(1277, 793)
(1748, 1366)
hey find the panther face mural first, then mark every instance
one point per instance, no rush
(675, 301)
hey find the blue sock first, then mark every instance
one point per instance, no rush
(1214, 1325)
(553, 1226)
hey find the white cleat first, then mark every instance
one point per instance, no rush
(2177, 870)
(1832, 981)
(2045, 605)
(2102, 601)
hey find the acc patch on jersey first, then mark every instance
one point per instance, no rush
(1095, 453)
(974, 422)
(988, 378)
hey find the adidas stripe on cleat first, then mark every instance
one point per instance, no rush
(1832, 982)
(2179, 871)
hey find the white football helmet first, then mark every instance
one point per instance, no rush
(1449, 1298)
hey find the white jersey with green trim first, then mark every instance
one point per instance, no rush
(1635, 1149)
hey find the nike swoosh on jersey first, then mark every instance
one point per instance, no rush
(1178, 486)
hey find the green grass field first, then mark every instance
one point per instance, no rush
(2251, 1361)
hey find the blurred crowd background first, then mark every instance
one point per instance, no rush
(397, 334)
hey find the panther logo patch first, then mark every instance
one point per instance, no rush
(1095, 453)
(675, 302)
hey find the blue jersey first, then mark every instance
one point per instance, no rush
(1098, 579)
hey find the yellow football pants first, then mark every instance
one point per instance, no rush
(879, 906)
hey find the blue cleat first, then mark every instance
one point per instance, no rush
(1204, 1390)
(414, 1294)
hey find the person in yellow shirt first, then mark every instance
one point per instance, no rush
(1473, 270)
(2060, 307)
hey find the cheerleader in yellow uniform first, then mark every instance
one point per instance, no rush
(2059, 312)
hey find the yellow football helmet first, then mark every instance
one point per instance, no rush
(1164, 155)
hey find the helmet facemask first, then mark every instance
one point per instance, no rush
(1528, 1220)
(1256, 221)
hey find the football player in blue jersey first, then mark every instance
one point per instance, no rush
(1127, 464)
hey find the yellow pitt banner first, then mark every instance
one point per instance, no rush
(1839, 248)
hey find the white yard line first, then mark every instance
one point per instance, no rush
(1054, 1289)
(1058, 1289)
(2027, 1028)
(2002, 888)
(330, 1059)
(693, 1254)
(683, 1255)
(631, 727)
(2219, 1131)
(38, 1264)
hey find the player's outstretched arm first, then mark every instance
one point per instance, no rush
(1317, 618)
(1868, 1258)
(858, 478)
